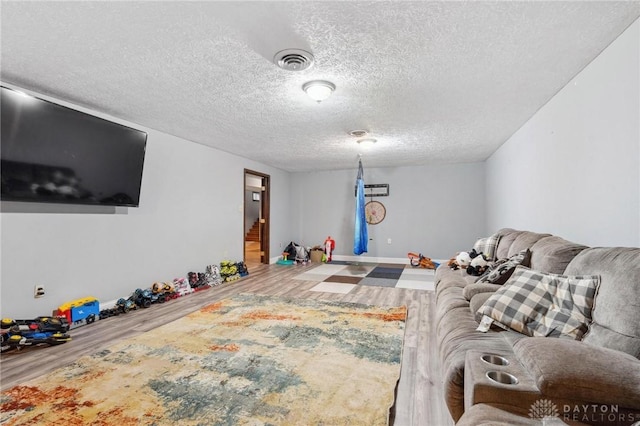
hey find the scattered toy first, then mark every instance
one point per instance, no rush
(418, 260)
(17, 334)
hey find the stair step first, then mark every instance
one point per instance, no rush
(254, 232)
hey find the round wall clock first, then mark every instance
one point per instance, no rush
(375, 212)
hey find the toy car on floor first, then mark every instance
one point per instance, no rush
(80, 311)
(182, 287)
(43, 324)
(125, 305)
(166, 290)
(17, 334)
(18, 341)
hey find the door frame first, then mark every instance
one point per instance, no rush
(265, 208)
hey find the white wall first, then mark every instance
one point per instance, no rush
(190, 215)
(435, 210)
(574, 168)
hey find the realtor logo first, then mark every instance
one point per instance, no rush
(549, 413)
(543, 409)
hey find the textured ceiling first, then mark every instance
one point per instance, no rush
(433, 81)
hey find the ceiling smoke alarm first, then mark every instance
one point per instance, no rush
(358, 133)
(293, 59)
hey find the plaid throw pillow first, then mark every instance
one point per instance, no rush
(500, 272)
(541, 304)
(487, 246)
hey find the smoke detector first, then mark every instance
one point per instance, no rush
(358, 133)
(293, 59)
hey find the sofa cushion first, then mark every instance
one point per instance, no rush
(616, 314)
(476, 303)
(541, 304)
(445, 275)
(602, 336)
(500, 273)
(525, 240)
(488, 246)
(471, 290)
(553, 254)
(602, 376)
(507, 236)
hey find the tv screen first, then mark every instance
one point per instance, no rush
(54, 154)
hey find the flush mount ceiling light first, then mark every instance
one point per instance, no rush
(293, 59)
(367, 141)
(319, 90)
(358, 133)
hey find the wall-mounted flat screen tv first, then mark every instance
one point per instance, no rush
(54, 154)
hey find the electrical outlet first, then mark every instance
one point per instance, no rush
(38, 291)
(388, 240)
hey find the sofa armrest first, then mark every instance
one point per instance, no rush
(575, 370)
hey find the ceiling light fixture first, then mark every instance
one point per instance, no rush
(367, 141)
(358, 133)
(319, 90)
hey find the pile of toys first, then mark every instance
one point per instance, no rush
(160, 292)
(17, 334)
(53, 330)
(232, 271)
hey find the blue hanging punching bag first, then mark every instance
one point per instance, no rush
(361, 238)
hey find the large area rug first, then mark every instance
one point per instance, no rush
(343, 277)
(246, 360)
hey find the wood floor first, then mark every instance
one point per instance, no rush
(252, 254)
(420, 400)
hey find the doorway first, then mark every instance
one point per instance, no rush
(256, 218)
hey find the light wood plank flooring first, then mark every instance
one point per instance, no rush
(252, 254)
(420, 400)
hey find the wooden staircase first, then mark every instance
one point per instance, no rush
(254, 232)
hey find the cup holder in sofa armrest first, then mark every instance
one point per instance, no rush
(502, 377)
(496, 383)
(494, 359)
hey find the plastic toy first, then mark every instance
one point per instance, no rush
(196, 279)
(242, 269)
(17, 334)
(229, 271)
(125, 305)
(284, 260)
(18, 341)
(212, 275)
(167, 290)
(329, 247)
(109, 312)
(37, 324)
(144, 298)
(418, 260)
(182, 287)
(80, 311)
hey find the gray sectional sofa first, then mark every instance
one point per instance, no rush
(594, 379)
